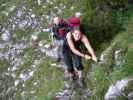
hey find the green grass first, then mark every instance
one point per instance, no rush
(49, 82)
(19, 34)
(43, 36)
(5, 81)
(100, 82)
(3, 66)
(49, 79)
(101, 73)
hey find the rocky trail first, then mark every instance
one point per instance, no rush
(69, 89)
(26, 54)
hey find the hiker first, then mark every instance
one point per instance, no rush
(59, 29)
(72, 53)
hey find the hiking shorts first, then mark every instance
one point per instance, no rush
(71, 60)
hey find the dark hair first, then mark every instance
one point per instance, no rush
(75, 28)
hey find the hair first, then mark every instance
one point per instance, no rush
(75, 28)
(55, 18)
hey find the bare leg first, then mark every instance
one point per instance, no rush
(80, 74)
(80, 79)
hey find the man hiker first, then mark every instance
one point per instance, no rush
(72, 53)
(59, 29)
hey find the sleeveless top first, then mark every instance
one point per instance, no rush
(76, 44)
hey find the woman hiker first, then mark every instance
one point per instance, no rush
(72, 53)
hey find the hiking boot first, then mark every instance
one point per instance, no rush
(72, 83)
(74, 77)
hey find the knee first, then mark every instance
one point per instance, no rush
(80, 67)
(70, 70)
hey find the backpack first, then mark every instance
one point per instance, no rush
(60, 30)
(66, 26)
(73, 22)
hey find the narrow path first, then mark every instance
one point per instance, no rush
(71, 91)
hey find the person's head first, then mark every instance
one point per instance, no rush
(76, 34)
(56, 20)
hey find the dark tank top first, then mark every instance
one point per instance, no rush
(76, 44)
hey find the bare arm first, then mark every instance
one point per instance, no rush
(72, 47)
(89, 48)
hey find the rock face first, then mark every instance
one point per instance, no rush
(13, 51)
(21, 50)
(6, 36)
(117, 89)
(130, 95)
